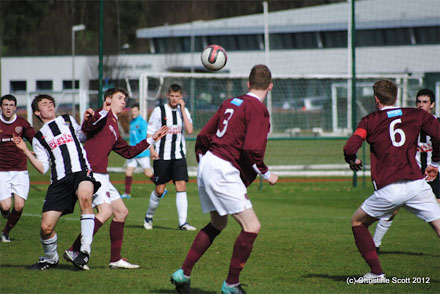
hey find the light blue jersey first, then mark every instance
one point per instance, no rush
(138, 132)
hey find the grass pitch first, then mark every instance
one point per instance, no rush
(305, 246)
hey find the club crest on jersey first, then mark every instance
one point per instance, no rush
(394, 113)
(237, 101)
(19, 129)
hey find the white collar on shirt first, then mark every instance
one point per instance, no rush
(8, 121)
(253, 95)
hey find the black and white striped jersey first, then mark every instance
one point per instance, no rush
(57, 145)
(424, 150)
(173, 145)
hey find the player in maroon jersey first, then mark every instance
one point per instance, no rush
(14, 178)
(425, 99)
(230, 149)
(103, 136)
(392, 133)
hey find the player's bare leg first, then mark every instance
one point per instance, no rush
(436, 226)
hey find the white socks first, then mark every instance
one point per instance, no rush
(381, 229)
(182, 207)
(50, 248)
(154, 203)
(87, 226)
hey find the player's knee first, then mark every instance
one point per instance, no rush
(46, 230)
(18, 206)
(121, 214)
(254, 227)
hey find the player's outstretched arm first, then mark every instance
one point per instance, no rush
(34, 161)
(160, 133)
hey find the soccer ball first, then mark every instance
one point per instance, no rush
(214, 57)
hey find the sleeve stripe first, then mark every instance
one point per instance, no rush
(361, 133)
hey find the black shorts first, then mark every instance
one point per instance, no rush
(166, 170)
(61, 195)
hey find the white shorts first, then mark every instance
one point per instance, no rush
(220, 186)
(106, 193)
(415, 196)
(14, 182)
(144, 162)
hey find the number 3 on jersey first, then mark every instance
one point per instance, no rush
(395, 131)
(221, 133)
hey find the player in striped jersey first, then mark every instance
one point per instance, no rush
(57, 145)
(14, 177)
(103, 137)
(392, 133)
(171, 150)
(425, 99)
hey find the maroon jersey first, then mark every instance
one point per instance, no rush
(102, 137)
(392, 134)
(238, 133)
(11, 158)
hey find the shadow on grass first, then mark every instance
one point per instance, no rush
(406, 253)
(154, 228)
(193, 291)
(63, 267)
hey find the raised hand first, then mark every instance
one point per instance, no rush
(19, 143)
(160, 133)
(88, 113)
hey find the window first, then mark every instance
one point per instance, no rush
(281, 41)
(44, 85)
(370, 38)
(186, 44)
(305, 40)
(427, 35)
(67, 85)
(17, 86)
(397, 37)
(227, 42)
(248, 42)
(335, 39)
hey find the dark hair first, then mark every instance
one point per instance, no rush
(260, 77)
(136, 105)
(112, 91)
(175, 88)
(385, 91)
(8, 97)
(37, 100)
(426, 92)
